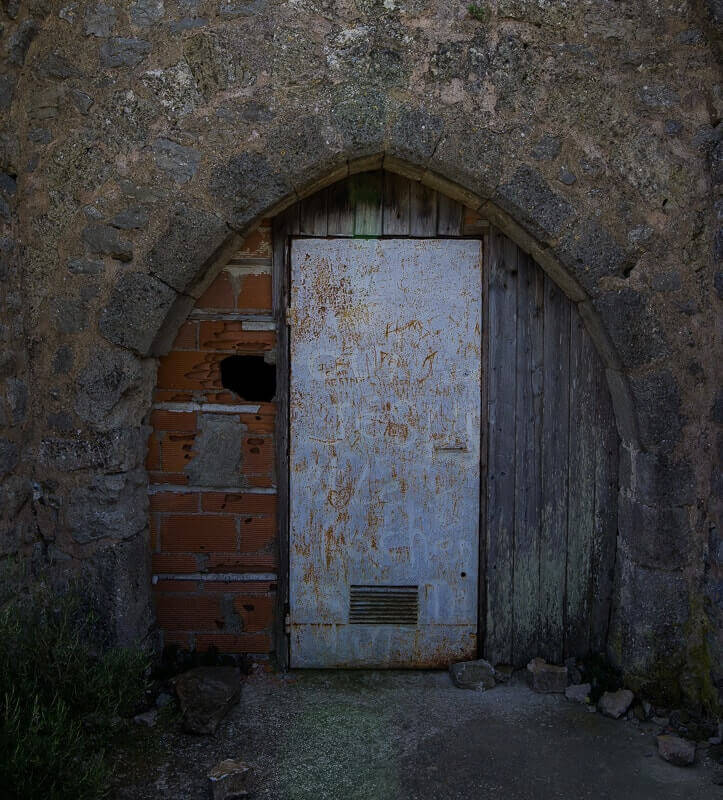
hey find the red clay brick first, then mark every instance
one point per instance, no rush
(173, 420)
(188, 612)
(255, 294)
(171, 396)
(170, 563)
(246, 503)
(155, 529)
(258, 454)
(187, 338)
(259, 482)
(230, 337)
(153, 456)
(263, 422)
(172, 478)
(257, 533)
(176, 586)
(256, 612)
(176, 451)
(240, 587)
(182, 369)
(175, 501)
(235, 643)
(198, 533)
(220, 294)
(241, 562)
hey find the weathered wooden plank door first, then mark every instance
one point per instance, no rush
(384, 451)
(551, 515)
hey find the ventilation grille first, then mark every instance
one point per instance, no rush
(383, 605)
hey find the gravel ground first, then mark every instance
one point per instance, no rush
(361, 735)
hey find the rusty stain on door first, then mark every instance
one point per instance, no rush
(384, 414)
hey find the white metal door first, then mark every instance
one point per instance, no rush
(385, 345)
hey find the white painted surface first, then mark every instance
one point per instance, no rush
(384, 445)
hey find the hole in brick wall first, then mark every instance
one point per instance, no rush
(250, 377)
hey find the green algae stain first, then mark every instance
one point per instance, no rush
(338, 750)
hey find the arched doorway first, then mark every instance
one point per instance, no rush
(546, 467)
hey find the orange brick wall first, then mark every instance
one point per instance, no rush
(214, 536)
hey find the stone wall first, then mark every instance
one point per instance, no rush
(148, 135)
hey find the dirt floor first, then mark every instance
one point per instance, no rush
(409, 736)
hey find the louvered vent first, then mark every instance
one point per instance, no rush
(383, 605)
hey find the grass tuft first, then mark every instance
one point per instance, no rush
(61, 693)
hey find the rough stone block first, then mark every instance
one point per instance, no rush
(178, 161)
(653, 478)
(413, 134)
(658, 409)
(118, 450)
(113, 387)
(591, 254)
(137, 307)
(106, 239)
(529, 198)
(544, 677)
(247, 186)
(656, 536)
(677, 751)
(182, 254)
(632, 327)
(474, 162)
(615, 704)
(478, 674)
(85, 266)
(123, 52)
(100, 20)
(132, 218)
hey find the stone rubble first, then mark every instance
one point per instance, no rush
(677, 751)
(579, 693)
(206, 694)
(615, 704)
(479, 674)
(147, 718)
(546, 678)
(230, 778)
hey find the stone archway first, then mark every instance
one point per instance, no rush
(145, 310)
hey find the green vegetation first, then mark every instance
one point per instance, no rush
(61, 696)
(477, 12)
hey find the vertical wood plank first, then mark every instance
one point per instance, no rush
(581, 487)
(450, 216)
(284, 225)
(397, 190)
(423, 213)
(555, 430)
(340, 220)
(501, 466)
(313, 215)
(607, 446)
(484, 455)
(528, 453)
(367, 196)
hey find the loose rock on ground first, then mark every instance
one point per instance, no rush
(677, 751)
(205, 695)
